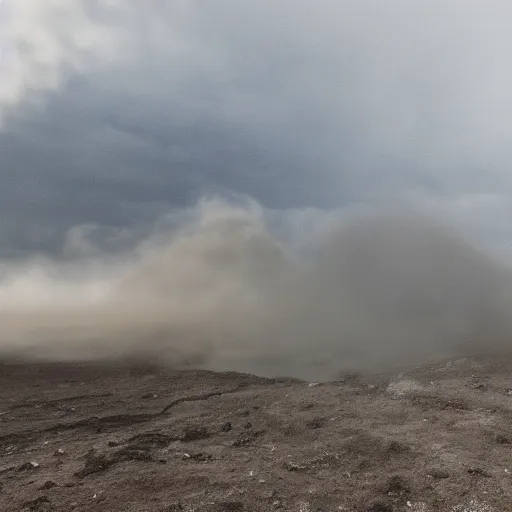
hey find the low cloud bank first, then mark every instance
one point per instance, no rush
(226, 289)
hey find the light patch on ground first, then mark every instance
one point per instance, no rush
(474, 506)
(404, 387)
(417, 507)
(479, 418)
(304, 507)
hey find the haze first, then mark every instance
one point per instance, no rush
(281, 187)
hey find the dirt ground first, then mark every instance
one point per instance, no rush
(126, 438)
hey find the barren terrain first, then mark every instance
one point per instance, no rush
(126, 438)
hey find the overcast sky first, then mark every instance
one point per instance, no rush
(115, 112)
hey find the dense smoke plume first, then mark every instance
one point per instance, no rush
(226, 290)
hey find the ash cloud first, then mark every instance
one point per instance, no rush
(226, 289)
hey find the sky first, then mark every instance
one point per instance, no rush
(115, 113)
(279, 187)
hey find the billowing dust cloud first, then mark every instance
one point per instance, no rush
(225, 292)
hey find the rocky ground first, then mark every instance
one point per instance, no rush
(122, 438)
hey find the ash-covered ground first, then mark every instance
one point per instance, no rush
(125, 438)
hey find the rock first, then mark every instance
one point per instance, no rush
(49, 484)
(228, 506)
(438, 474)
(396, 447)
(41, 504)
(397, 486)
(315, 423)
(501, 439)
(246, 438)
(173, 507)
(201, 457)
(194, 434)
(478, 472)
(27, 466)
(379, 506)
(293, 466)
(152, 440)
(94, 464)
(131, 453)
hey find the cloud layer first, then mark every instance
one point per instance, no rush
(116, 117)
(114, 111)
(225, 291)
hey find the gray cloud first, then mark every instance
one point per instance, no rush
(116, 117)
(365, 291)
(291, 104)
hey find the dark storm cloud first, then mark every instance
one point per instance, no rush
(122, 161)
(114, 112)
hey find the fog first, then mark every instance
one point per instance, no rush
(227, 290)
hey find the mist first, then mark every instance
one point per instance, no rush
(226, 290)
